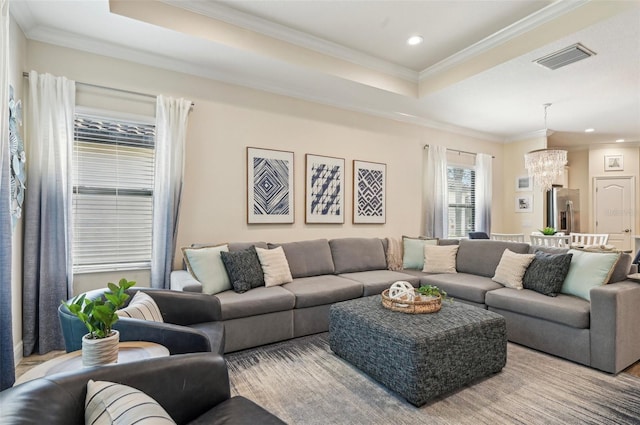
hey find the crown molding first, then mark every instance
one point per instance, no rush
(235, 17)
(21, 12)
(538, 134)
(514, 30)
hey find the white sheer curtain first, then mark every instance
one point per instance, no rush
(7, 371)
(48, 266)
(171, 132)
(435, 192)
(484, 181)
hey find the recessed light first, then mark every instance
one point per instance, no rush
(619, 140)
(590, 130)
(414, 40)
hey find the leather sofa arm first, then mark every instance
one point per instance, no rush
(615, 334)
(181, 280)
(184, 308)
(186, 386)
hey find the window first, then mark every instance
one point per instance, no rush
(461, 183)
(112, 194)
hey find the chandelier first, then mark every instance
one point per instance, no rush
(545, 165)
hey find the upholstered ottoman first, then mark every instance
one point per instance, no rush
(419, 356)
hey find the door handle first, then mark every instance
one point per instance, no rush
(626, 230)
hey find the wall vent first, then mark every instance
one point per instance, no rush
(564, 57)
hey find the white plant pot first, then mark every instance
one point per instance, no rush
(100, 351)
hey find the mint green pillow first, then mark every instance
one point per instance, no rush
(588, 270)
(413, 252)
(204, 264)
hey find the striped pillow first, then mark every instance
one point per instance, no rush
(111, 403)
(274, 266)
(511, 269)
(142, 306)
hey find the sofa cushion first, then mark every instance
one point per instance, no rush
(547, 272)
(205, 264)
(512, 268)
(565, 309)
(621, 269)
(275, 266)
(257, 301)
(237, 410)
(440, 259)
(308, 258)
(462, 285)
(481, 257)
(357, 254)
(376, 281)
(588, 270)
(322, 290)
(413, 251)
(243, 268)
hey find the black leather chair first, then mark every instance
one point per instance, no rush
(191, 323)
(478, 235)
(192, 388)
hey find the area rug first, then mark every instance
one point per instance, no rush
(303, 382)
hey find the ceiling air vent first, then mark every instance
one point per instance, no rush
(564, 57)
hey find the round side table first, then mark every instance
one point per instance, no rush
(128, 351)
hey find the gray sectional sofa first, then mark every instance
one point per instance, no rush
(602, 333)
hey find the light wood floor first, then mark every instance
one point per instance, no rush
(36, 359)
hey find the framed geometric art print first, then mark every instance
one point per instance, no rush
(369, 192)
(324, 189)
(269, 186)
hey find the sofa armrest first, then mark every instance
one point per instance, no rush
(186, 386)
(615, 334)
(185, 308)
(181, 280)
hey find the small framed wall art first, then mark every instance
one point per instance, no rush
(524, 203)
(524, 183)
(369, 192)
(613, 163)
(269, 186)
(324, 189)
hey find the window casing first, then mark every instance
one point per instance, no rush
(461, 183)
(113, 182)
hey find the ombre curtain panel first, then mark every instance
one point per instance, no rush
(47, 226)
(7, 370)
(436, 192)
(484, 179)
(171, 132)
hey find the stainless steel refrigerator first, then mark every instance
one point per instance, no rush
(563, 209)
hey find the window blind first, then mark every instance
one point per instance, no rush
(112, 193)
(461, 183)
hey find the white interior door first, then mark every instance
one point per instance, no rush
(614, 200)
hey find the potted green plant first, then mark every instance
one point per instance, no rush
(548, 231)
(431, 291)
(100, 345)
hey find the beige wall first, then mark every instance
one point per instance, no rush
(226, 119)
(518, 222)
(579, 179)
(17, 62)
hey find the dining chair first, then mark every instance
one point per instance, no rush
(550, 241)
(508, 237)
(589, 239)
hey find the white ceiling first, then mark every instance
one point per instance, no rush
(474, 73)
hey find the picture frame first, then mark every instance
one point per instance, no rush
(614, 163)
(524, 204)
(270, 188)
(369, 192)
(524, 183)
(324, 189)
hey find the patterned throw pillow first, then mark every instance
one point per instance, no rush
(440, 259)
(547, 272)
(244, 269)
(110, 403)
(143, 307)
(274, 266)
(512, 268)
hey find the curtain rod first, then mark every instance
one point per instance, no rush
(137, 93)
(459, 152)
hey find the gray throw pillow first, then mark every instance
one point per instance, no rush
(547, 272)
(244, 269)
